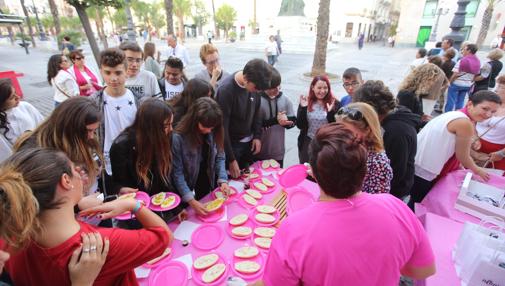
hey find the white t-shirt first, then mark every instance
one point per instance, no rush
(271, 48)
(417, 62)
(119, 113)
(180, 52)
(144, 84)
(65, 86)
(494, 128)
(465, 79)
(173, 90)
(21, 118)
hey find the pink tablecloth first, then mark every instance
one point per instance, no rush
(442, 197)
(229, 244)
(443, 234)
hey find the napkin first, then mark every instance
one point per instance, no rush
(185, 230)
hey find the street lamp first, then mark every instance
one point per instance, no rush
(131, 28)
(458, 22)
(438, 13)
(39, 24)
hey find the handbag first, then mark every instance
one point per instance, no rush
(481, 158)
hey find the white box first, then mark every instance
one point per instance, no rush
(470, 205)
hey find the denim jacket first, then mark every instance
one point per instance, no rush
(186, 165)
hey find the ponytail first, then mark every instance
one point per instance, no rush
(18, 208)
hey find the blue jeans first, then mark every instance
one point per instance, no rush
(456, 96)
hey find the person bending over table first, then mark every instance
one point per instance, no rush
(339, 240)
(56, 184)
(141, 156)
(198, 152)
(362, 119)
(445, 142)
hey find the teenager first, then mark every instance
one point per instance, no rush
(444, 143)
(173, 82)
(363, 120)
(240, 101)
(16, 117)
(56, 184)
(150, 64)
(351, 81)
(86, 78)
(194, 89)
(142, 83)
(213, 72)
(303, 250)
(61, 79)
(314, 111)
(117, 104)
(198, 153)
(277, 115)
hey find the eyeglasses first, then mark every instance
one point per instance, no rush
(212, 62)
(78, 58)
(134, 60)
(353, 84)
(352, 113)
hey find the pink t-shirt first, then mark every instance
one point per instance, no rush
(362, 241)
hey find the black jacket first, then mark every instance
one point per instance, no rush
(303, 124)
(161, 84)
(400, 142)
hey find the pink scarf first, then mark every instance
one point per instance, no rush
(82, 81)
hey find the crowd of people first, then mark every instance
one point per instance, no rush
(135, 126)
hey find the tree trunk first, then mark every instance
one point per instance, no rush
(29, 23)
(56, 17)
(81, 11)
(486, 21)
(323, 23)
(111, 19)
(216, 29)
(99, 28)
(169, 9)
(182, 34)
(12, 36)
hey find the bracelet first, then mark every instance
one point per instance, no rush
(138, 207)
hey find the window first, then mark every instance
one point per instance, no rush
(466, 30)
(429, 8)
(472, 7)
(348, 30)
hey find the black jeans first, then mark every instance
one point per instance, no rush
(243, 154)
(419, 190)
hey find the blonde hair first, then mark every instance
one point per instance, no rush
(18, 208)
(207, 49)
(495, 54)
(370, 124)
(425, 81)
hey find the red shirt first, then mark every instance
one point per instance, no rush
(128, 249)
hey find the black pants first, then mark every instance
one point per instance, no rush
(419, 190)
(303, 149)
(243, 154)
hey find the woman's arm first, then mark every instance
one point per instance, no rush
(301, 118)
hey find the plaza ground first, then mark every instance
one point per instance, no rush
(376, 61)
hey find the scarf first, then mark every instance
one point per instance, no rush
(82, 81)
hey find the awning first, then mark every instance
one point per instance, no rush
(7, 19)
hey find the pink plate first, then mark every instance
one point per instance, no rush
(269, 189)
(269, 169)
(213, 216)
(264, 250)
(207, 237)
(255, 171)
(161, 261)
(254, 212)
(241, 201)
(260, 259)
(293, 176)
(139, 196)
(248, 223)
(160, 209)
(230, 198)
(197, 274)
(173, 273)
(298, 199)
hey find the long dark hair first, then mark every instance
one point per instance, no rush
(53, 66)
(195, 88)
(5, 93)
(152, 144)
(206, 112)
(65, 130)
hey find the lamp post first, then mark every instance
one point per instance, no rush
(438, 13)
(131, 28)
(39, 24)
(458, 22)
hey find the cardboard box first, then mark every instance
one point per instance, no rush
(467, 203)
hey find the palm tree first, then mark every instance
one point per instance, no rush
(181, 9)
(169, 7)
(29, 23)
(56, 17)
(486, 21)
(323, 23)
(97, 15)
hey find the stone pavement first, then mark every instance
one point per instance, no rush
(375, 61)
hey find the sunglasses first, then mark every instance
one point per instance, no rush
(352, 113)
